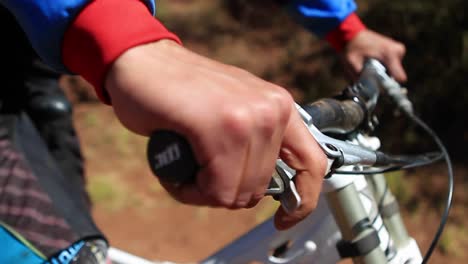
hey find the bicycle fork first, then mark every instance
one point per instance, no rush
(368, 216)
(365, 238)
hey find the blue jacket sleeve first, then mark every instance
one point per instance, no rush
(320, 16)
(45, 23)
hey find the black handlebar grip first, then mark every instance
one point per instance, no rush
(171, 157)
(330, 115)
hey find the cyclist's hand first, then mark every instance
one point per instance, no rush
(369, 44)
(236, 123)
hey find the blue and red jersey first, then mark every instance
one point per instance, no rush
(85, 36)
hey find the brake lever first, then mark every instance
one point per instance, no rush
(285, 191)
(339, 153)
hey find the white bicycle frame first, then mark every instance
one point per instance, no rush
(315, 239)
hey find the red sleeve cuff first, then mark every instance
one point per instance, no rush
(346, 31)
(102, 31)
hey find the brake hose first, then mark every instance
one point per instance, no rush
(399, 96)
(444, 154)
(448, 202)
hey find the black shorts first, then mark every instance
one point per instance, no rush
(43, 201)
(48, 208)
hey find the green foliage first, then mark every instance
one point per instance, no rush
(101, 190)
(452, 240)
(112, 193)
(108, 192)
(400, 186)
(91, 120)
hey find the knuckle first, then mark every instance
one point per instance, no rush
(259, 195)
(217, 193)
(221, 199)
(273, 110)
(253, 202)
(240, 203)
(266, 118)
(283, 102)
(238, 123)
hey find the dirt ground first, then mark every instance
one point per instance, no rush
(138, 216)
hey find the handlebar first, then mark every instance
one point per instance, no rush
(172, 160)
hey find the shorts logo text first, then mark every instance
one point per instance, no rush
(67, 255)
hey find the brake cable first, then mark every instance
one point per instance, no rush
(448, 202)
(400, 98)
(400, 163)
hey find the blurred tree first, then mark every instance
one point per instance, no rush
(435, 33)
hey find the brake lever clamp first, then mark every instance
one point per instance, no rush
(337, 162)
(354, 93)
